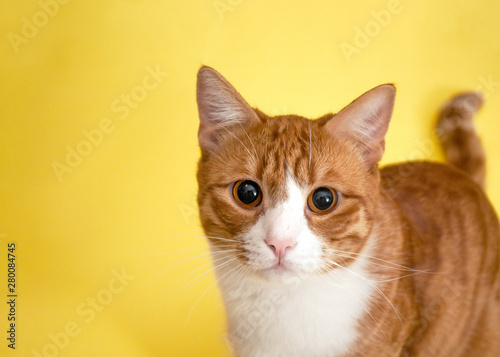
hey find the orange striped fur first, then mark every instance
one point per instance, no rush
(427, 231)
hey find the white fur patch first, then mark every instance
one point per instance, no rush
(285, 220)
(295, 311)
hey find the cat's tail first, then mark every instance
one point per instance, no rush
(457, 134)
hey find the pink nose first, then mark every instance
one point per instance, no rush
(279, 246)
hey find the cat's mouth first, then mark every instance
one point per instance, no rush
(279, 272)
(279, 268)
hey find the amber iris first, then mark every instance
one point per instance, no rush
(247, 193)
(323, 200)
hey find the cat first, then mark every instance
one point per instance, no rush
(318, 252)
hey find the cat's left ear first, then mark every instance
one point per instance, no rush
(366, 121)
(220, 107)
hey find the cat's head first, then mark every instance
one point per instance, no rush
(286, 196)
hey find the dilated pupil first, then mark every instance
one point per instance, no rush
(322, 198)
(248, 192)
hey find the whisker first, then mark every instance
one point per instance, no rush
(310, 146)
(194, 271)
(179, 263)
(193, 235)
(267, 142)
(364, 307)
(398, 313)
(346, 255)
(240, 276)
(204, 274)
(251, 142)
(385, 280)
(177, 252)
(203, 294)
(397, 278)
(223, 239)
(241, 142)
(379, 259)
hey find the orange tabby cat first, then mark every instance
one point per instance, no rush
(319, 253)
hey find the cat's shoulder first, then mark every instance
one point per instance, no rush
(438, 200)
(431, 180)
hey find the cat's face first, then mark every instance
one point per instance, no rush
(285, 196)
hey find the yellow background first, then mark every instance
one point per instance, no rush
(129, 205)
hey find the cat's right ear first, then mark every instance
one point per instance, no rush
(220, 107)
(365, 121)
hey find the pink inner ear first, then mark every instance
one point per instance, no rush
(220, 107)
(207, 138)
(366, 121)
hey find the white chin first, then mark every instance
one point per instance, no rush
(280, 273)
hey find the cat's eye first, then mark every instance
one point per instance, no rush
(323, 200)
(247, 193)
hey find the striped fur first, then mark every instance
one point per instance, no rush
(406, 265)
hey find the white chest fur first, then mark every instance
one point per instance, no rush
(313, 317)
(316, 315)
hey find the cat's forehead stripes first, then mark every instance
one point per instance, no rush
(288, 140)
